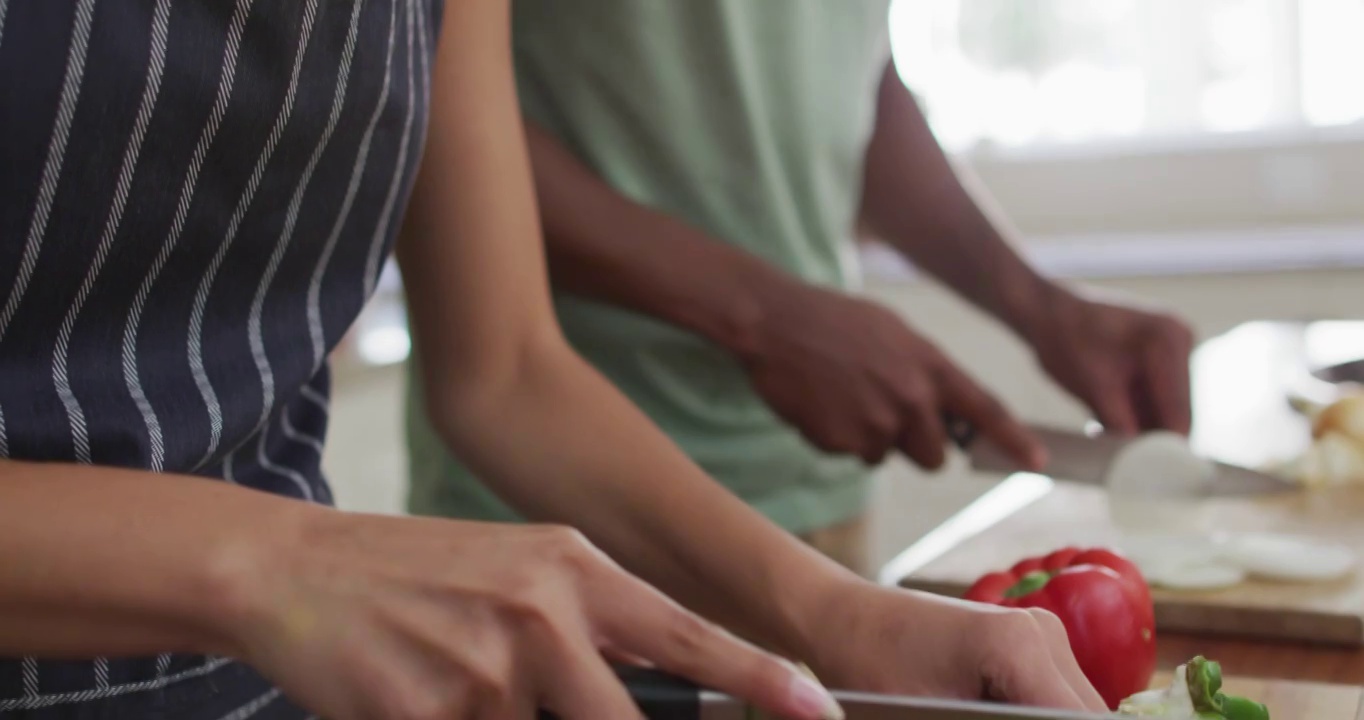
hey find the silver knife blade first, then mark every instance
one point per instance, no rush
(1084, 458)
(1234, 480)
(871, 706)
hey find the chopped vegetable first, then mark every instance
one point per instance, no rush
(1193, 562)
(1157, 483)
(1344, 417)
(1211, 575)
(1182, 562)
(1104, 604)
(1194, 694)
(1160, 463)
(1336, 456)
(1288, 559)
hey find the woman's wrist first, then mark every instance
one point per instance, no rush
(242, 587)
(125, 563)
(803, 603)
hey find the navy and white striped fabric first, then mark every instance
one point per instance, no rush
(196, 198)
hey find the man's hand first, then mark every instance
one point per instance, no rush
(853, 378)
(1129, 365)
(893, 641)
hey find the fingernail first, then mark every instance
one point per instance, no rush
(813, 700)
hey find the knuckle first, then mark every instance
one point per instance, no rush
(528, 608)
(1019, 626)
(875, 446)
(531, 618)
(560, 539)
(568, 549)
(916, 392)
(874, 454)
(489, 690)
(834, 440)
(688, 635)
(883, 423)
(1047, 622)
(1009, 643)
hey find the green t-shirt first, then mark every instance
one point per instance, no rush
(747, 119)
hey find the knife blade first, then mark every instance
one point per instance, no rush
(661, 696)
(869, 706)
(1085, 458)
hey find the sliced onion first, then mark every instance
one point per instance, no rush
(1182, 562)
(1288, 559)
(1156, 483)
(1212, 575)
(1192, 562)
(1159, 464)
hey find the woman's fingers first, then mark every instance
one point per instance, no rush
(1058, 644)
(581, 686)
(484, 622)
(1020, 668)
(643, 622)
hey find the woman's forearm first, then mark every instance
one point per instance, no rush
(98, 561)
(531, 418)
(561, 445)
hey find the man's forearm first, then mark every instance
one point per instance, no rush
(915, 200)
(603, 246)
(614, 476)
(98, 561)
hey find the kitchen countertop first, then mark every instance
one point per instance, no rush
(1240, 381)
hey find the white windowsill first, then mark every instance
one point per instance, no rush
(1167, 254)
(1193, 143)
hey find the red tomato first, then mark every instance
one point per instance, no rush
(1104, 603)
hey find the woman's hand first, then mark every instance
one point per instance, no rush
(894, 641)
(378, 617)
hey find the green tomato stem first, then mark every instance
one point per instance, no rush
(1028, 584)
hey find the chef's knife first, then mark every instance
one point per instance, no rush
(664, 697)
(1084, 458)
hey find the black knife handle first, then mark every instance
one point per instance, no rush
(660, 696)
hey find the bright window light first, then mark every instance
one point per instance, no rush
(1021, 72)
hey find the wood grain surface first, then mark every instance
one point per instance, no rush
(1254, 659)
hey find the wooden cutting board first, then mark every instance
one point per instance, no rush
(1018, 519)
(1290, 700)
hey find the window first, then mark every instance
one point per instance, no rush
(1020, 72)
